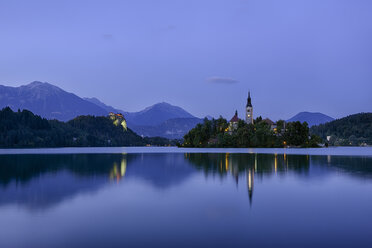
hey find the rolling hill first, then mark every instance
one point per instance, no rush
(311, 118)
(351, 130)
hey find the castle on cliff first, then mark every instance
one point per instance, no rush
(118, 119)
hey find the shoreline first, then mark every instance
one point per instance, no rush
(333, 151)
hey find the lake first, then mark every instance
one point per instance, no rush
(158, 197)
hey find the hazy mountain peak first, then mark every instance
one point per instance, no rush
(48, 101)
(36, 83)
(157, 114)
(312, 118)
(44, 87)
(169, 108)
(159, 105)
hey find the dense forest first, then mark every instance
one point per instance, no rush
(214, 133)
(24, 129)
(353, 130)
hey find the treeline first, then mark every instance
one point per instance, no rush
(353, 130)
(214, 133)
(24, 129)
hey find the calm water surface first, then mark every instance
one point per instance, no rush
(185, 199)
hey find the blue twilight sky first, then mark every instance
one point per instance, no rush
(202, 55)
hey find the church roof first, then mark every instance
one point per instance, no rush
(268, 121)
(235, 117)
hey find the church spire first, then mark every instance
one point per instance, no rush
(249, 101)
(249, 110)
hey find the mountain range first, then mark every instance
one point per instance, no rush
(48, 101)
(161, 119)
(52, 102)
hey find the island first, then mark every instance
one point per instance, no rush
(252, 132)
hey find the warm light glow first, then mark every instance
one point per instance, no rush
(227, 162)
(255, 162)
(250, 179)
(123, 167)
(118, 119)
(124, 125)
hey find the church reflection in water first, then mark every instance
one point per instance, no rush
(248, 166)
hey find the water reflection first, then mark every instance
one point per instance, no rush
(41, 181)
(238, 165)
(142, 200)
(38, 182)
(116, 173)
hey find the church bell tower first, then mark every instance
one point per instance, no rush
(249, 110)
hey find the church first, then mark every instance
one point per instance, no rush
(233, 123)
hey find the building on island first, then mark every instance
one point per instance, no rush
(249, 110)
(233, 123)
(270, 123)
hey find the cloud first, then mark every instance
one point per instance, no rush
(167, 29)
(171, 27)
(107, 36)
(222, 80)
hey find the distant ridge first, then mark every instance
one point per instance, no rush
(161, 119)
(171, 129)
(102, 105)
(311, 118)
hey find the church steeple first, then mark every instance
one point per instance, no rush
(249, 110)
(249, 101)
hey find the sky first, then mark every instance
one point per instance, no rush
(201, 55)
